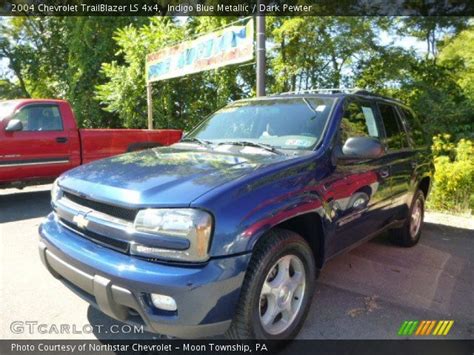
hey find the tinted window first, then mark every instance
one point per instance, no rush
(40, 118)
(414, 127)
(295, 123)
(358, 120)
(396, 137)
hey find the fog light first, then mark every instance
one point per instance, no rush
(163, 302)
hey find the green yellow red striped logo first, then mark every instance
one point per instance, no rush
(425, 327)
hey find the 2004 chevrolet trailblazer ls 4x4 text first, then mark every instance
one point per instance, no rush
(225, 231)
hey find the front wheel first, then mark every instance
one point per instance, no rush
(277, 289)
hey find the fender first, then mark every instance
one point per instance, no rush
(284, 208)
(266, 199)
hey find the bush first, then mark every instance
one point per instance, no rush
(454, 176)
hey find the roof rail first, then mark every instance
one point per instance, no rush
(357, 91)
(368, 93)
(321, 91)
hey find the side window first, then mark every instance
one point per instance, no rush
(40, 118)
(358, 120)
(414, 128)
(396, 136)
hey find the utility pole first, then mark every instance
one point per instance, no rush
(149, 100)
(260, 54)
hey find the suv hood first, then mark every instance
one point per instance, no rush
(167, 176)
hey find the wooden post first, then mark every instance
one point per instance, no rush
(149, 100)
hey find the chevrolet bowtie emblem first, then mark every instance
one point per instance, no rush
(81, 221)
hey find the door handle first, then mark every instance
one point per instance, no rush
(61, 139)
(384, 173)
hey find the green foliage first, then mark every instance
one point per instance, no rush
(439, 89)
(457, 54)
(59, 57)
(90, 43)
(453, 188)
(313, 52)
(177, 103)
(429, 29)
(441, 104)
(124, 93)
(9, 90)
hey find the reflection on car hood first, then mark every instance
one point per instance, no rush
(167, 176)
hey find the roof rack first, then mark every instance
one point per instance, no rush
(368, 93)
(356, 91)
(321, 91)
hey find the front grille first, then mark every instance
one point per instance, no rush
(127, 214)
(118, 245)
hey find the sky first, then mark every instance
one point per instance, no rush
(3, 66)
(406, 42)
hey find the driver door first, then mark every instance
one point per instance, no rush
(360, 192)
(40, 149)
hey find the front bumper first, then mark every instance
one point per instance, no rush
(119, 285)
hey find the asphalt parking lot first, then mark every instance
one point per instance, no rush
(364, 294)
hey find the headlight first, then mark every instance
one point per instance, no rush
(192, 224)
(56, 192)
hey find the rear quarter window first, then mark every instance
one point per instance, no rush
(396, 137)
(415, 131)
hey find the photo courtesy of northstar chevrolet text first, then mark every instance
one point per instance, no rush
(234, 177)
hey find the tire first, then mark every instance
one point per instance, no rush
(278, 248)
(408, 235)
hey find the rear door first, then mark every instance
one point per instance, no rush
(400, 154)
(40, 149)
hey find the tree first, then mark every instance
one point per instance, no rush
(430, 29)
(457, 54)
(125, 91)
(9, 90)
(15, 55)
(437, 88)
(313, 52)
(60, 57)
(178, 102)
(90, 43)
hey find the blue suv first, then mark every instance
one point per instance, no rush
(225, 232)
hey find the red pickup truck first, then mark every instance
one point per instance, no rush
(39, 140)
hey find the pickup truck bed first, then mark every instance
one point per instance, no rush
(39, 140)
(101, 143)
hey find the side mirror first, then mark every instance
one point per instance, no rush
(14, 126)
(362, 148)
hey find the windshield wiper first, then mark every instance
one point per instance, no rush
(196, 140)
(266, 147)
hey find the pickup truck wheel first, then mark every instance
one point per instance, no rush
(277, 289)
(409, 234)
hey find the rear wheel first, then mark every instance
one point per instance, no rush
(409, 234)
(277, 289)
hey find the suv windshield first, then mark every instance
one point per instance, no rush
(293, 123)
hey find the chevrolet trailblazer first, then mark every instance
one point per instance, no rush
(225, 232)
